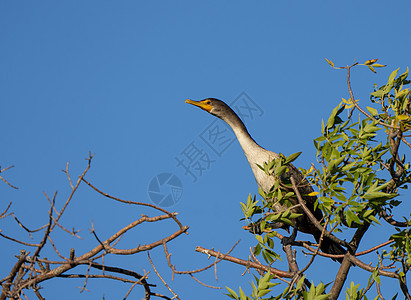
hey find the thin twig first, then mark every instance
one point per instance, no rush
(90, 157)
(3, 214)
(161, 278)
(309, 214)
(8, 183)
(251, 264)
(172, 267)
(55, 249)
(356, 104)
(68, 175)
(379, 291)
(86, 279)
(316, 250)
(29, 231)
(203, 284)
(172, 215)
(145, 276)
(17, 241)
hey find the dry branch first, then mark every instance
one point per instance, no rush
(30, 271)
(246, 263)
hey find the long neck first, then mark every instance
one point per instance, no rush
(253, 152)
(250, 147)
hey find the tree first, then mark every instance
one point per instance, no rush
(361, 169)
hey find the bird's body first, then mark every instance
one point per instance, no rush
(257, 155)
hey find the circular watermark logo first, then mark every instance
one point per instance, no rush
(165, 189)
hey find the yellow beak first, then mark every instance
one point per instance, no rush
(201, 104)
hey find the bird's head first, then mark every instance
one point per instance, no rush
(213, 106)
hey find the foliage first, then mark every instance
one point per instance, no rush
(356, 180)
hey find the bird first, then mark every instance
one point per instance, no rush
(257, 156)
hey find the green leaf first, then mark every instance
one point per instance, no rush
(300, 283)
(374, 219)
(392, 77)
(370, 128)
(378, 94)
(376, 277)
(274, 217)
(372, 111)
(263, 292)
(292, 157)
(368, 212)
(402, 93)
(257, 249)
(320, 289)
(263, 283)
(331, 119)
(403, 117)
(268, 257)
(349, 166)
(383, 186)
(403, 76)
(311, 293)
(286, 221)
(232, 294)
(352, 217)
(244, 208)
(242, 295)
(280, 170)
(288, 195)
(372, 69)
(262, 193)
(379, 195)
(259, 238)
(294, 215)
(322, 297)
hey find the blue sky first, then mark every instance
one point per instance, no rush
(111, 78)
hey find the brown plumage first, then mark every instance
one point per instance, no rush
(256, 155)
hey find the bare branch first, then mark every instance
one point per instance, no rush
(172, 215)
(389, 219)
(203, 284)
(90, 157)
(13, 272)
(316, 250)
(145, 276)
(3, 214)
(370, 268)
(18, 241)
(2, 178)
(251, 264)
(172, 267)
(47, 232)
(28, 276)
(309, 214)
(161, 278)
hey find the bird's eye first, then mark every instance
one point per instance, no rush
(208, 102)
